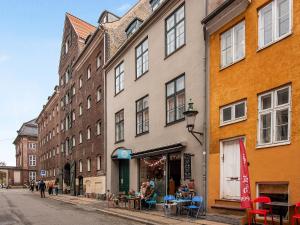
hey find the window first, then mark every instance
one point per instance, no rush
(98, 127)
(88, 137)
(133, 26)
(155, 4)
(175, 30)
(88, 164)
(233, 113)
(73, 115)
(98, 60)
(142, 58)
(142, 116)
(73, 141)
(175, 99)
(89, 100)
(57, 150)
(80, 82)
(98, 162)
(73, 90)
(119, 78)
(32, 160)
(119, 126)
(99, 94)
(274, 116)
(31, 145)
(67, 76)
(80, 166)
(32, 176)
(80, 137)
(89, 72)
(274, 21)
(54, 173)
(80, 109)
(233, 44)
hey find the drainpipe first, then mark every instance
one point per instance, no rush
(206, 118)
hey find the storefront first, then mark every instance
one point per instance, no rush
(161, 167)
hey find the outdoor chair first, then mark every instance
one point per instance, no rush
(262, 212)
(196, 205)
(167, 200)
(296, 216)
(152, 201)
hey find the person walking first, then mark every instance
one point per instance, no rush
(42, 188)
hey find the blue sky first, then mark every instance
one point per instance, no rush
(30, 39)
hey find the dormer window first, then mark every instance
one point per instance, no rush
(133, 26)
(155, 4)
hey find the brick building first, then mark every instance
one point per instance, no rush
(48, 139)
(26, 153)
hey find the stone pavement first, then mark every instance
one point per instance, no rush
(152, 217)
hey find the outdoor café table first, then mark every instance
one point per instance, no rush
(180, 203)
(282, 208)
(136, 202)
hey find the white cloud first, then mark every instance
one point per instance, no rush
(4, 58)
(123, 8)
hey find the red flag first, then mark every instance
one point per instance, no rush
(245, 181)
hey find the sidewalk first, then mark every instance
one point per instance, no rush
(152, 217)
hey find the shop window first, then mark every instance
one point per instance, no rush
(277, 192)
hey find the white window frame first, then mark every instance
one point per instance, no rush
(89, 165)
(80, 82)
(32, 160)
(274, 108)
(88, 136)
(80, 137)
(89, 71)
(98, 162)
(80, 166)
(80, 109)
(99, 94)
(233, 46)
(73, 141)
(98, 127)
(275, 27)
(32, 176)
(89, 102)
(233, 117)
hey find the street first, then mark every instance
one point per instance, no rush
(21, 207)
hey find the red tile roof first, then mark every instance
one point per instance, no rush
(82, 28)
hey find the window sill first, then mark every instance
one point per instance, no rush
(118, 142)
(141, 134)
(167, 56)
(174, 122)
(273, 145)
(233, 122)
(137, 78)
(231, 64)
(274, 42)
(119, 92)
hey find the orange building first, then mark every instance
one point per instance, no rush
(254, 94)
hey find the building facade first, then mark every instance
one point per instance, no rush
(149, 81)
(26, 153)
(49, 151)
(254, 90)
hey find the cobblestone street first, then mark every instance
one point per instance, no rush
(21, 207)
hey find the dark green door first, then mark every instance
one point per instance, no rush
(124, 175)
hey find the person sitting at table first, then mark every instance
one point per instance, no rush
(148, 194)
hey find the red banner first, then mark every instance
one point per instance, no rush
(245, 181)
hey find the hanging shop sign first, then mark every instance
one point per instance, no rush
(124, 153)
(187, 163)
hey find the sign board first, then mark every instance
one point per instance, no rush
(187, 166)
(43, 173)
(124, 153)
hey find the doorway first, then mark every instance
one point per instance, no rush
(230, 169)
(174, 172)
(80, 186)
(124, 175)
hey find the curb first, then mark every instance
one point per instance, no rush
(148, 222)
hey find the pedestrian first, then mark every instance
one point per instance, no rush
(32, 186)
(42, 188)
(56, 188)
(36, 186)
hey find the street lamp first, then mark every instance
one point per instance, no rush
(190, 115)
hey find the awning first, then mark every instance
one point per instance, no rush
(159, 151)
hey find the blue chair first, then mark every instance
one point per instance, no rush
(196, 205)
(152, 201)
(167, 199)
